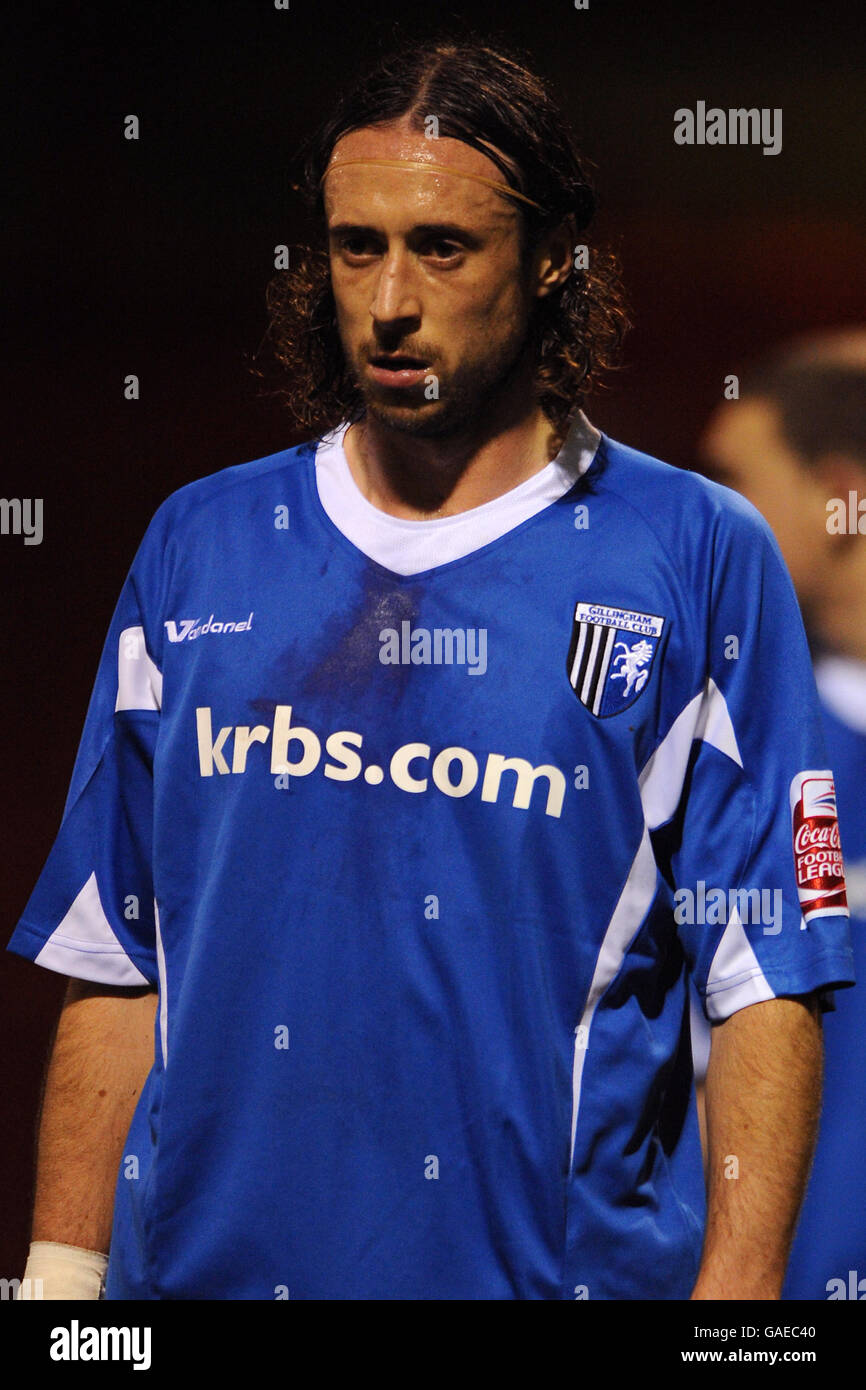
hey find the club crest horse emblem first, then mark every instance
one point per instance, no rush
(610, 656)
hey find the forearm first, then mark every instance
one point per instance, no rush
(100, 1060)
(763, 1098)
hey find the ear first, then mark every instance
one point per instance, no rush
(553, 261)
(840, 473)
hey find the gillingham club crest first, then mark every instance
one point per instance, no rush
(610, 655)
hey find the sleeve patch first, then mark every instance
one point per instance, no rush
(817, 850)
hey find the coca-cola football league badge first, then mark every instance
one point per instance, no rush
(817, 850)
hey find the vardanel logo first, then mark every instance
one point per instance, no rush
(188, 628)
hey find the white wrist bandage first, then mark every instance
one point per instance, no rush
(62, 1271)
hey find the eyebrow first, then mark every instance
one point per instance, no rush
(442, 229)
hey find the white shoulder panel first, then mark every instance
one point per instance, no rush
(139, 680)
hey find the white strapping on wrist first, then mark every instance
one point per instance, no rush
(57, 1271)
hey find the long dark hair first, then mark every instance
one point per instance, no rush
(479, 94)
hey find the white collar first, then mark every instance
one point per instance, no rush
(409, 546)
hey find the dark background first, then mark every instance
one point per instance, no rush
(151, 257)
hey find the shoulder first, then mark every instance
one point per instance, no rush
(688, 514)
(205, 517)
(229, 488)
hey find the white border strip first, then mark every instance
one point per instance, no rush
(163, 987)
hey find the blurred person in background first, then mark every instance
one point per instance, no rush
(794, 444)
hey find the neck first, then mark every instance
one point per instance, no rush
(423, 477)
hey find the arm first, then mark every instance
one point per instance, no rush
(101, 1056)
(763, 1099)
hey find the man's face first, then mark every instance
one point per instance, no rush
(425, 265)
(743, 447)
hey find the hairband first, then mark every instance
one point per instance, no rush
(435, 169)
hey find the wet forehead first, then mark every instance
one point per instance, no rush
(363, 193)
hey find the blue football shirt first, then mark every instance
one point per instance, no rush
(828, 1258)
(422, 932)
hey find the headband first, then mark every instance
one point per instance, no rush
(435, 169)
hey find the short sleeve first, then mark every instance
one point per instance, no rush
(754, 849)
(91, 913)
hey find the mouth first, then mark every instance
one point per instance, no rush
(398, 369)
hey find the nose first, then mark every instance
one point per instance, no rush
(396, 298)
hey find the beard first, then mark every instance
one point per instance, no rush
(471, 398)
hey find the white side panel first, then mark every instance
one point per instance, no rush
(85, 938)
(163, 987)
